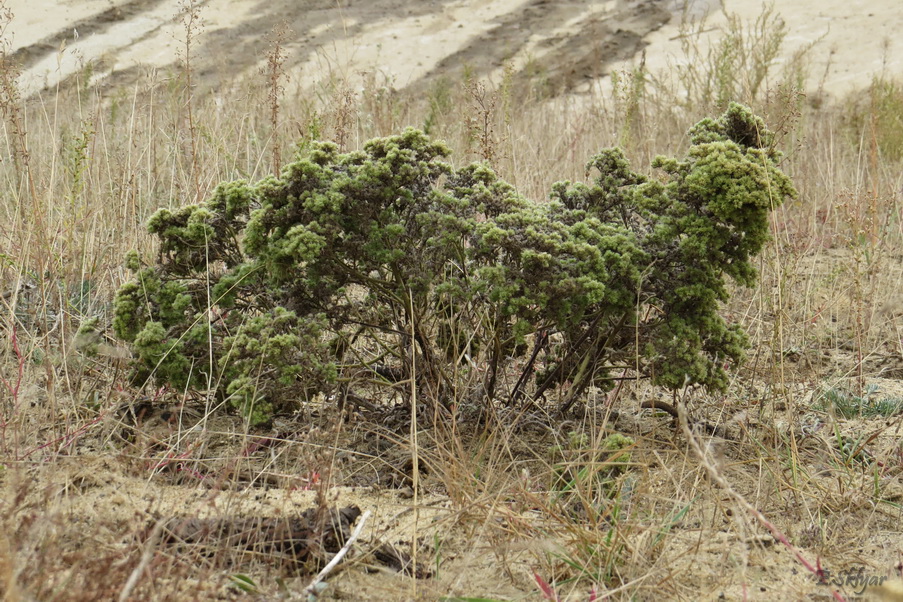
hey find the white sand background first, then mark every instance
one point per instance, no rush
(856, 39)
(154, 38)
(850, 41)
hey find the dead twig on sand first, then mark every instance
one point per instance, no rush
(313, 590)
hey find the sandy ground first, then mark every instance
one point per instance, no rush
(406, 43)
(465, 546)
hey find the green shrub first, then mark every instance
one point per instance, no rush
(374, 261)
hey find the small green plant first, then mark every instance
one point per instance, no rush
(877, 117)
(275, 74)
(243, 583)
(629, 90)
(578, 462)
(849, 405)
(440, 104)
(389, 263)
(737, 66)
(190, 17)
(587, 479)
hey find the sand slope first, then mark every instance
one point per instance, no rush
(409, 43)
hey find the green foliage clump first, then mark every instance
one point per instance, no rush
(374, 261)
(578, 462)
(847, 404)
(87, 338)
